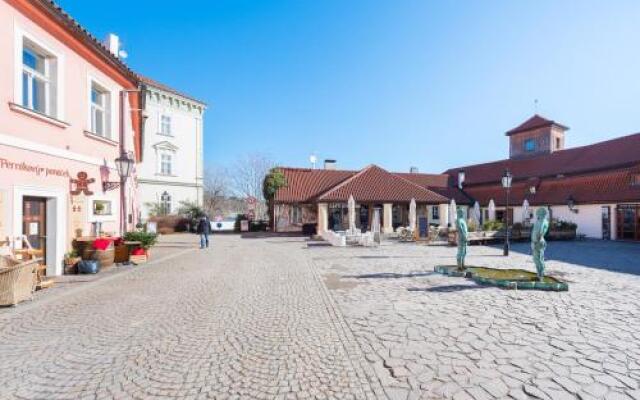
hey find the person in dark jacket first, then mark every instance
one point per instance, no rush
(204, 229)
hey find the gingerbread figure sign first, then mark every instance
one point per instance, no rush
(82, 184)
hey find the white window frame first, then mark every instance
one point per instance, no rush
(166, 210)
(111, 114)
(172, 162)
(161, 124)
(20, 36)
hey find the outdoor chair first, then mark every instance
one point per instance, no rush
(16, 280)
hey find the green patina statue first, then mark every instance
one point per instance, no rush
(538, 243)
(463, 235)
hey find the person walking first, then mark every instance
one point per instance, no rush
(204, 229)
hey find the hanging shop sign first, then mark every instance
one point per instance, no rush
(33, 168)
(82, 184)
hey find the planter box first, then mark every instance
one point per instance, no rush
(561, 235)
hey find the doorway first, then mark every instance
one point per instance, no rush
(34, 223)
(628, 221)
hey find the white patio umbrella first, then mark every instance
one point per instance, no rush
(525, 210)
(492, 210)
(476, 213)
(352, 214)
(412, 215)
(376, 220)
(453, 212)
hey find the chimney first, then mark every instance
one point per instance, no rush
(413, 170)
(461, 177)
(330, 164)
(113, 43)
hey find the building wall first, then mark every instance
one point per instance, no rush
(309, 215)
(39, 155)
(545, 139)
(184, 144)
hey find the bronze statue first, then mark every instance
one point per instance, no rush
(538, 243)
(463, 235)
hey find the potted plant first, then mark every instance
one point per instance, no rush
(71, 260)
(146, 239)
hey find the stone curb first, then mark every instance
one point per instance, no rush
(502, 283)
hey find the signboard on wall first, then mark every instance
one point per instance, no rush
(78, 215)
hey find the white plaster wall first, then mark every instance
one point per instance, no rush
(150, 193)
(185, 182)
(588, 218)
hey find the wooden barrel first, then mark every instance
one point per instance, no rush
(105, 257)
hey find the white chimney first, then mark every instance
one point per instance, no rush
(330, 164)
(113, 43)
(461, 177)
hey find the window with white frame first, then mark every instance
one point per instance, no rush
(165, 125)
(435, 213)
(100, 110)
(166, 164)
(39, 76)
(165, 203)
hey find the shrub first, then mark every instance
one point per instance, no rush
(166, 231)
(147, 239)
(472, 226)
(174, 222)
(559, 225)
(492, 226)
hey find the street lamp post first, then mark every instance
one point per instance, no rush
(124, 165)
(506, 183)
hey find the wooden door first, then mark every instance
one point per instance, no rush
(34, 222)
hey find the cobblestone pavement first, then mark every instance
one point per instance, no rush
(429, 336)
(268, 318)
(247, 319)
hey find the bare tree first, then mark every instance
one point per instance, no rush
(217, 187)
(247, 176)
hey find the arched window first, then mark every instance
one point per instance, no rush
(165, 203)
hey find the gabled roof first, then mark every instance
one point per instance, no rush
(611, 154)
(532, 123)
(374, 184)
(305, 184)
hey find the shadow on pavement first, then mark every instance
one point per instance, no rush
(600, 254)
(390, 275)
(447, 288)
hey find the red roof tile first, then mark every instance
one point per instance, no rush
(532, 123)
(608, 186)
(304, 184)
(376, 184)
(616, 153)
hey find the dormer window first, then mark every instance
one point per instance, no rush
(530, 145)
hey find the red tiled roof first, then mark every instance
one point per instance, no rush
(162, 86)
(304, 184)
(439, 183)
(532, 123)
(608, 186)
(376, 184)
(611, 154)
(426, 180)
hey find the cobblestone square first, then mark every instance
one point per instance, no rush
(269, 318)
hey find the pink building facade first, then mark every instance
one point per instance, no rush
(68, 108)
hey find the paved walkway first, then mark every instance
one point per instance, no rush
(268, 318)
(246, 319)
(433, 337)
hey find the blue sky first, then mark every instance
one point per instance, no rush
(433, 84)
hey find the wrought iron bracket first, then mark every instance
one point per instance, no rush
(107, 186)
